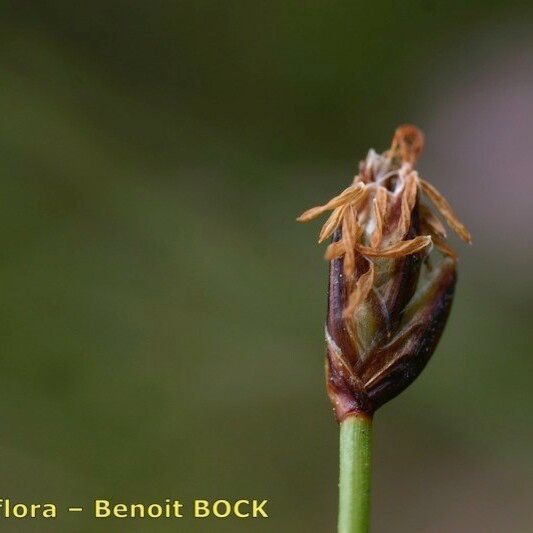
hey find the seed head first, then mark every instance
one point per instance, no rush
(389, 298)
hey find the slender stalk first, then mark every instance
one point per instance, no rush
(355, 470)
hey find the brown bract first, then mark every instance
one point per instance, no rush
(388, 300)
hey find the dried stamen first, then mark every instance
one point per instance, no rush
(380, 211)
(353, 194)
(374, 220)
(446, 211)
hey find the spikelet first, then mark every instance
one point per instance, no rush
(382, 329)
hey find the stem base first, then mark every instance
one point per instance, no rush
(355, 474)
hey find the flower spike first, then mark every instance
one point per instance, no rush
(387, 303)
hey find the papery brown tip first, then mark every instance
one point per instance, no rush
(408, 142)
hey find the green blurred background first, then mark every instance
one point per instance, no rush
(161, 311)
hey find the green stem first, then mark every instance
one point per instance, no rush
(355, 470)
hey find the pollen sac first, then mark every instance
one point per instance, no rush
(391, 280)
